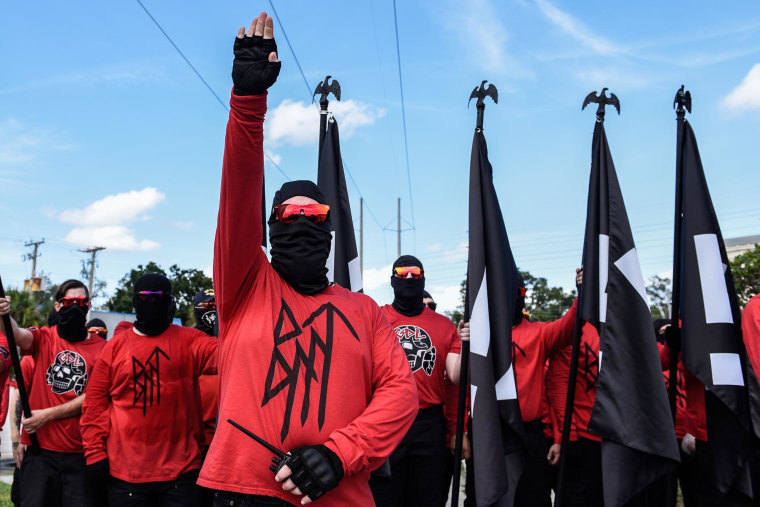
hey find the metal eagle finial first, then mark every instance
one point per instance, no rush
(682, 100)
(602, 100)
(482, 92)
(324, 88)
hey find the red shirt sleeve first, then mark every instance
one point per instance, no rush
(204, 354)
(237, 247)
(559, 334)
(370, 438)
(557, 378)
(95, 423)
(450, 406)
(4, 401)
(751, 332)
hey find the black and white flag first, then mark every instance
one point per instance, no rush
(492, 284)
(343, 264)
(712, 344)
(631, 411)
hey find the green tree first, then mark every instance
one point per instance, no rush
(458, 313)
(31, 309)
(658, 290)
(545, 303)
(746, 271)
(185, 284)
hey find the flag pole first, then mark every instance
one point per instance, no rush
(17, 368)
(682, 102)
(479, 93)
(325, 88)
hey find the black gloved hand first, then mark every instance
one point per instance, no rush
(315, 469)
(252, 72)
(98, 472)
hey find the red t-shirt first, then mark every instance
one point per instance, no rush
(585, 385)
(751, 332)
(296, 370)
(532, 344)
(691, 416)
(142, 409)
(27, 370)
(61, 372)
(426, 339)
(5, 369)
(209, 387)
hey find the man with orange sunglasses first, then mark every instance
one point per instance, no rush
(432, 349)
(64, 355)
(307, 366)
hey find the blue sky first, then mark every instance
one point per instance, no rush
(108, 138)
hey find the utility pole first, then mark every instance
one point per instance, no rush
(398, 223)
(361, 236)
(33, 256)
(93, 252)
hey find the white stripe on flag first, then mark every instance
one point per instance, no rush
(714, 290)
(604, 264)
(355, 275)
(629, 265)
(726, 369)
(331, 261)
(505, 386)
(480, 322)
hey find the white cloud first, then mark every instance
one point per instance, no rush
(447, 297)
(447, 255)
(578, 30)
(115, 209)
(21, 145)
(374, 278)
(112, 237)
(747, 94)
(297, 123)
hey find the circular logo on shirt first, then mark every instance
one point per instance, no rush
(418, 348)
(67, 373)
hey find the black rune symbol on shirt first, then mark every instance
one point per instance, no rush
(147, 379)
(290, 370)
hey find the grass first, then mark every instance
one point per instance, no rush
(5, 495)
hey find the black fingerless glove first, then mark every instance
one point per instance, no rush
(315, 469)
(252, 72)
(98, 472)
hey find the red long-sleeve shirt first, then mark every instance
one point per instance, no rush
(62, 370)
(751, 332)
(142, 409)
(209, 388)
(691, 416)
(585, 385)
(426, 339)
(5, 370)
(294, 369)
(532, 344)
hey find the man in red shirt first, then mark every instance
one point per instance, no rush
(64, 356)
(141, 423)
(432, 348)
(308, 366)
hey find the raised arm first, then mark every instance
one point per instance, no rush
(23, 337)
(237, 249)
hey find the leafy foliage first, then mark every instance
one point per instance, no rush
(185, 284)
(658, 290)
(31, 309)
(746, 271)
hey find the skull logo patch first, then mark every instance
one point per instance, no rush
(67, 373)
(418, 347)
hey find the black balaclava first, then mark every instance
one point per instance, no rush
(408, 292)
(97, 323)
(657, 326)
(52, 318)
(519, 302)
(71, 323)
(154, 315)
(205, 320)
(300, 249)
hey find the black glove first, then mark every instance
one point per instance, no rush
(252, 72)
(315, 469)
(98, 472)
(673, 338)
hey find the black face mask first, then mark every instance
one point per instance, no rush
(408, 295)
(154, 316)
(299, 253)
(71, 323)
(205, 320)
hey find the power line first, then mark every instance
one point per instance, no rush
(403, 113)
(282, 28)
(221, 102)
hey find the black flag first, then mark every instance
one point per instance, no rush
(631, 411)
(711, 323)
(492, 284)
(343, 263)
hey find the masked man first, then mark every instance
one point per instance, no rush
(64, 356)
(432, 348)
(141, 420)
(309, 367)
(98, 328)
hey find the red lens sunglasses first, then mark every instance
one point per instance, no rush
(206, 305)
(288, 213)
(402, 272)
(71, 301)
